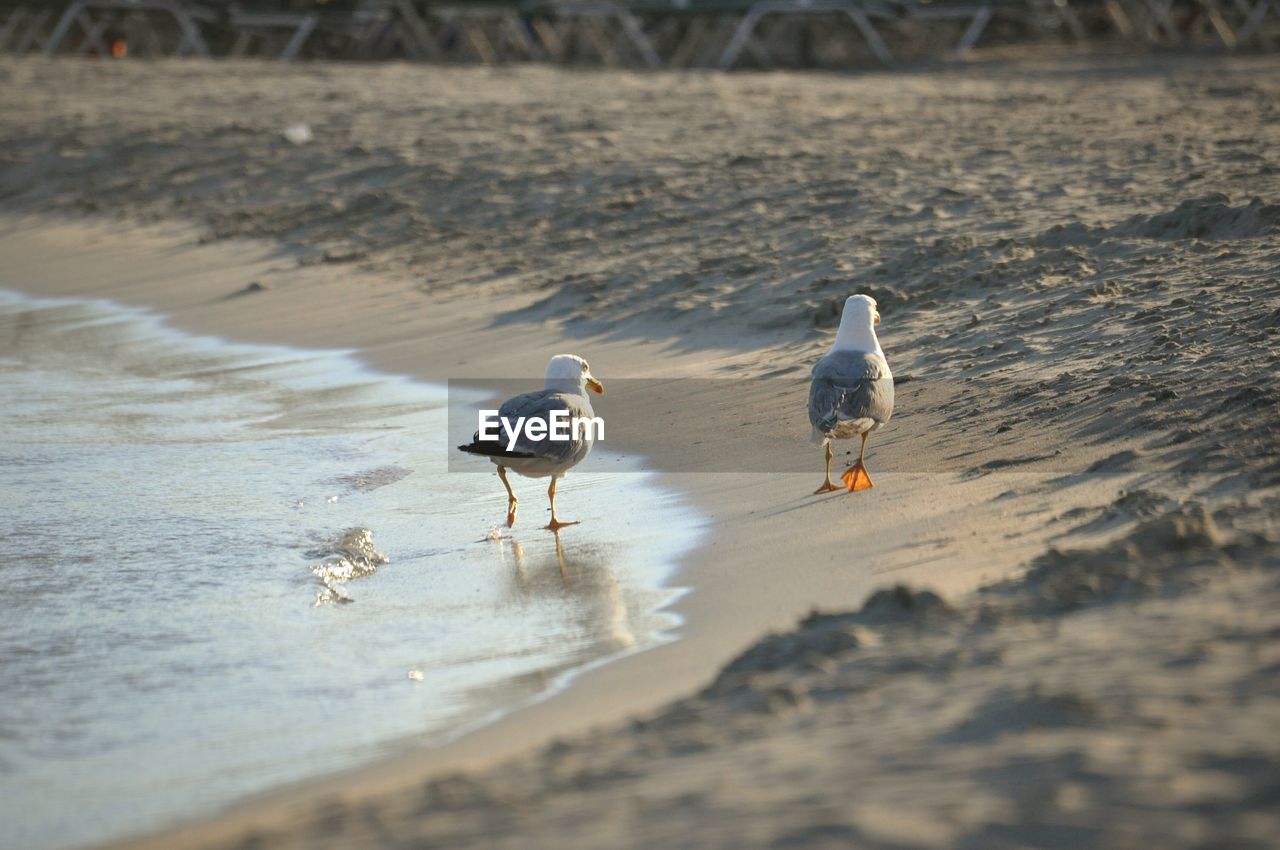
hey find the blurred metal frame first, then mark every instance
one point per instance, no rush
(592, 19)
(26, 36)
(858, 12)
(82, 12)
(624, 33)
(377, 26)
(251, 25)
(977, 14)
(1253, 21)
(492, 31)
(1176, 23)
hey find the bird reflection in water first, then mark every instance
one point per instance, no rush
(581, 576)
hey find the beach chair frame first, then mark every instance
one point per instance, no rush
(1180, 23)
(631, 33)
(610, 29)
(257, 27)
(858, 13)
(493, 33)
(703, 40)
(1252, 27)
(377, 27)
(24, 29)
(977, 16)
(94, 16)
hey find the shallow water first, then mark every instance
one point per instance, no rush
(183, 623)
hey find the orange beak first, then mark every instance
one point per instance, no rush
(876, 319)
(595, 386)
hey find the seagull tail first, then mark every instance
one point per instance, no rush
(492, 450)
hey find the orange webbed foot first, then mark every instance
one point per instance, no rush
(856, 478)
(556, 524)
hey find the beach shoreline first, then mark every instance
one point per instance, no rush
(719, 619)
(189, 289)
(1046, 461)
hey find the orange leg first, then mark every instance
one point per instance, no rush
(828, 485)
(856, 477)
(555, 524)
(512, 501)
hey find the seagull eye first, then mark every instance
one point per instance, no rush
(586, 368)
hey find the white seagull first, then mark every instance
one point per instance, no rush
(852, 390)
(567, 381)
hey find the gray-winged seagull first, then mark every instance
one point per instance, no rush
(567, 381)
(852, 390)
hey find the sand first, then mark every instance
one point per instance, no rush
(1076, 264)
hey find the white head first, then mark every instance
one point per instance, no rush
(570, 373)
(858, 325)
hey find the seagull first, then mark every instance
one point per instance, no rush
(852, 390)
(567, 381)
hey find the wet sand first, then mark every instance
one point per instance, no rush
(1075, 277)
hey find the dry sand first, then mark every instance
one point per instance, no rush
(1077, 266)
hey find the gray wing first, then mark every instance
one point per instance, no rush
(850, 385)
(538, 405)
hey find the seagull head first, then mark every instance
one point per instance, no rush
(857, 325)
(570, 373)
